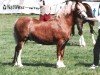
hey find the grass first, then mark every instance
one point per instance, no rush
(41, 59)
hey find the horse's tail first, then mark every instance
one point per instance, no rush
(15, 33)
(73, 30)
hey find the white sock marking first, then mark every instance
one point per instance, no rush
(60, 63)
(93, 39)
(81, 41)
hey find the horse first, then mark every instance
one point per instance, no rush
(79, 21)
(56, 31)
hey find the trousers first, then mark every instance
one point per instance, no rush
(96, 50)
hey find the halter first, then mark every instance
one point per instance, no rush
(82, 13)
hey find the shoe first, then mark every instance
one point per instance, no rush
(93, 67)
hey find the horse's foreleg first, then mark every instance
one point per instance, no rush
(93, 39)
(81, 40)
(60, 54)
(17, 55)
(92, 32)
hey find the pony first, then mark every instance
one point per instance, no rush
(56, 31)
(80, 20)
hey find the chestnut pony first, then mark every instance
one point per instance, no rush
(56, 31)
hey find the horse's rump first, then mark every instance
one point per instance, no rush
(21, 28)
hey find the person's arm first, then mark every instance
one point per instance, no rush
(97, 18)
(93, 19)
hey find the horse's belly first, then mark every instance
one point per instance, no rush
(47, 40)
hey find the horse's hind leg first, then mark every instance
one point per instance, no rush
(17, 55)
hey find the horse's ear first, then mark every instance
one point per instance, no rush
(77, 1)
(73, 6)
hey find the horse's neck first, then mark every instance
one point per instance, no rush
(66, 20)
(66, 10)
(65, 16)
(70, 18)
(61, 18)
(63, 11)
(66, 13)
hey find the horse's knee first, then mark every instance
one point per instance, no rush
(60, 48)
(91, 31)
(61, 43)
(18, 47)
(80, 32)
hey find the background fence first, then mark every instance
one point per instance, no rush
(31, 6)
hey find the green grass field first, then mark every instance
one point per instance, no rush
(41, 59)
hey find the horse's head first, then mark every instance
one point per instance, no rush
(72, 6)
(80, 10)
(77, 7)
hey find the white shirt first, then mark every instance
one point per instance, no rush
(44, 9)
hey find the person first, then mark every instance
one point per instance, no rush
(96, 50)
(45, 11)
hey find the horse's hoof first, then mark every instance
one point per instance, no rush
(19, 65)
(60, 64)
(82, 45)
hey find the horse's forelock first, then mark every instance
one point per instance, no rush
(82, 7)
(70, 7)
(73, 6)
